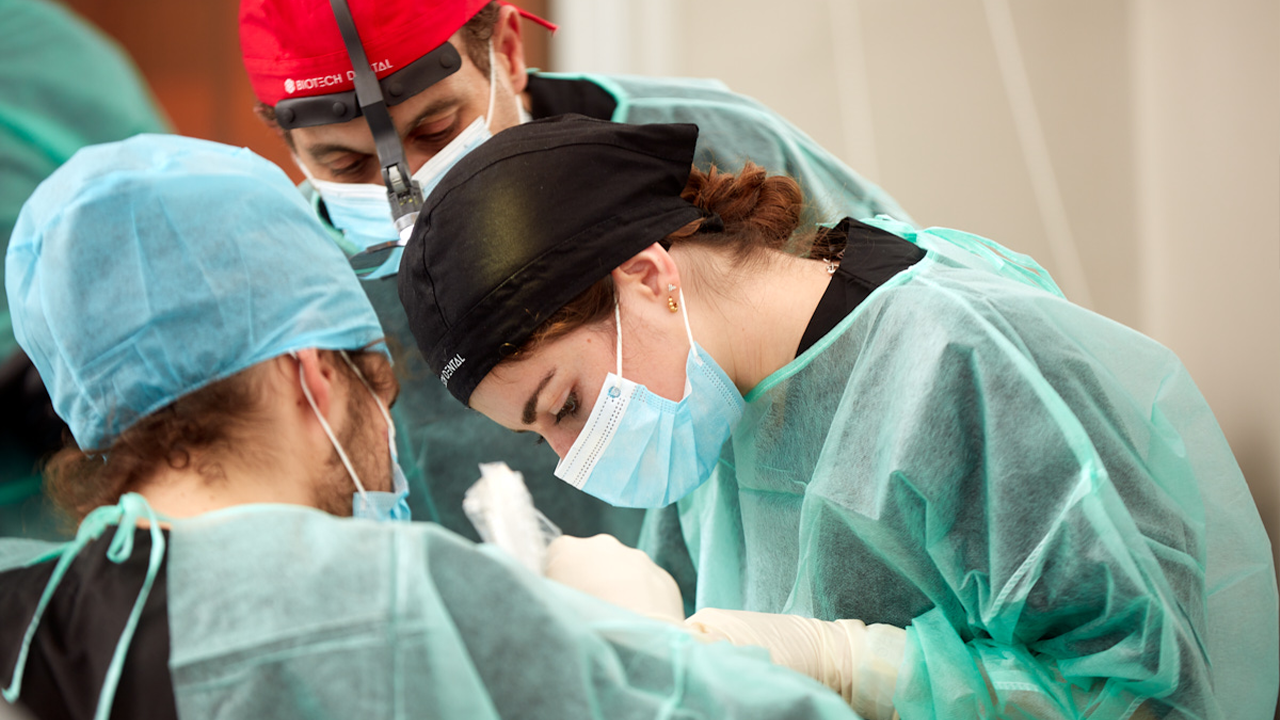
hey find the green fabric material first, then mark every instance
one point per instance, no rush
(286, 612)
(63, 85)
(20, 552)
(734, 128)
(1039, 494)
(662, 535)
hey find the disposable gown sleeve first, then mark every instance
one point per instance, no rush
(734, 128)
(606, 663)
(1068, 580)
(732, 134)
(20, 552)
(291, 614)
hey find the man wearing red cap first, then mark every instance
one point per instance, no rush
(442, 76)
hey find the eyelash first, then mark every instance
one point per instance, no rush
(569, 409)
(434, 138)
(352, 169)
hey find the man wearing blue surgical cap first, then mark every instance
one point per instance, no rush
(221, 371)
(163, 323)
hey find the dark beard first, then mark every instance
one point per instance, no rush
(365, 446)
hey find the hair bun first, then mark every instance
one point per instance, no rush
(759, 209)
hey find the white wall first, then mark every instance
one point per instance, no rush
(1132, 146)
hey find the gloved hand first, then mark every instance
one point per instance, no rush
(603, 567)
(859, 662)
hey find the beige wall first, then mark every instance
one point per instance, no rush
(1132, 146)
(1207, 128)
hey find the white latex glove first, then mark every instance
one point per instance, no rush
(603, 567)
(859, 662)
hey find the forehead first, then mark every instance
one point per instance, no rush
(507, 387)
(507, 379)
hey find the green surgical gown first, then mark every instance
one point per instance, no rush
(283, 612)
(63, 85)
(442, 443)
(1041, 496)
(734, 128)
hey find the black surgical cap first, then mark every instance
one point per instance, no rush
(528, 221)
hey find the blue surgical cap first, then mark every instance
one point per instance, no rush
(144, 270)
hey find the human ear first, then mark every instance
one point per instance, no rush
(314, 376)
(508, 48)
(267, 115)
(650, 272)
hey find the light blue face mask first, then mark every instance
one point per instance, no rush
(361, 210)
(376, 505)
(641, 450)
(370, 504)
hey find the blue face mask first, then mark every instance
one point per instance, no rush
(361, 210)
(376, 505)
(641, 450)
(370, 504)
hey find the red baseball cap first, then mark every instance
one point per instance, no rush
(293, 48)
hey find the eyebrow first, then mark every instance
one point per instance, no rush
(531, 405)
(319, 150)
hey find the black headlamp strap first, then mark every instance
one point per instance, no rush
(402, 191)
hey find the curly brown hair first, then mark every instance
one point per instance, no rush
(216, 417)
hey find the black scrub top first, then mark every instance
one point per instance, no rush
(78, 633)
(868, 257)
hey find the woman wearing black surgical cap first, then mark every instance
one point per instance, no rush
(857, 424)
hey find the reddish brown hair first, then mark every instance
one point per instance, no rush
(212, 418)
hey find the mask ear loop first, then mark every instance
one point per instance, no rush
(684, 310)
(337, 446)
(688, 331)
(400, 483)
(306, 172)
(493, 88)
(617, 322)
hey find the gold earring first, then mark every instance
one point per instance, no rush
(671, 304)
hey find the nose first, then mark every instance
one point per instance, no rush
(560, 442)
(416, 159)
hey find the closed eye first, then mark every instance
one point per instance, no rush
(436, 141)
(569, 409)
(350, 171)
